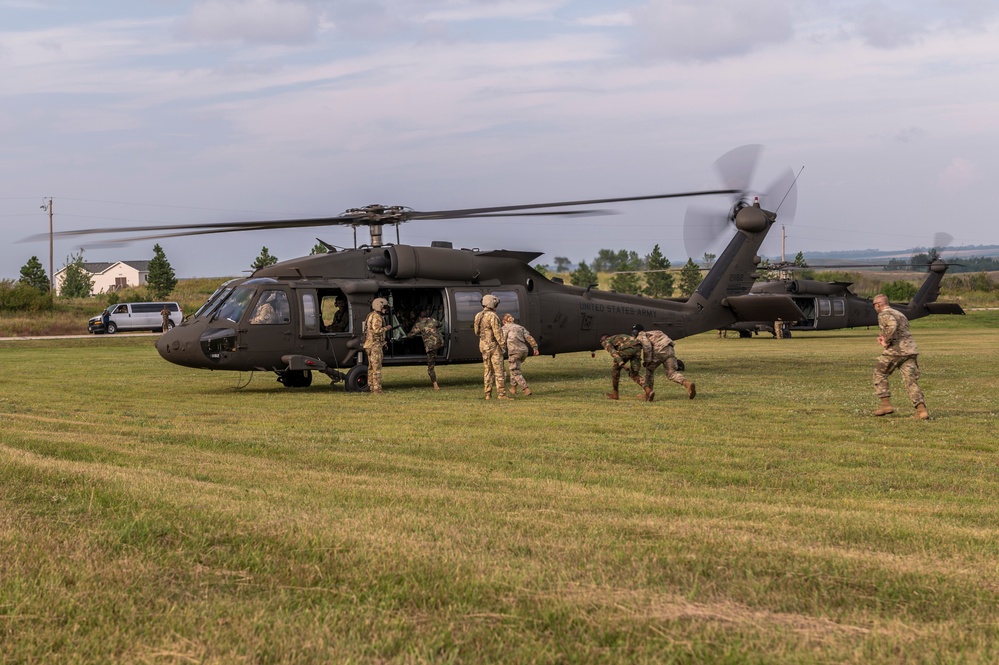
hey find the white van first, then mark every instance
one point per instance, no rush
(136, 316)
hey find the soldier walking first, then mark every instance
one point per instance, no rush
(657, 349)
(427, 328)
(487, 327)
(374, 342)
(516, 340)
(165, 315)
(900, 353)
(625, 350)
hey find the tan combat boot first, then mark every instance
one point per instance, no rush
(885, 407)
(513, 388)
(612, 395)
(436, 387)
(649, 394)
(691, 389)
(921, 412)
(527, 391)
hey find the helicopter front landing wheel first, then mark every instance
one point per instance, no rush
(357, 379)
(295, 378)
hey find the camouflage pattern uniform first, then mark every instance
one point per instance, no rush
(427, 328)
(900, 353)
(487, 327)
(625, 350)
(657, 349)
(374, 343)
(516, 339)
(165, 314)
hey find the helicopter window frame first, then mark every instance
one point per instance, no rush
(310, 313)
(331, 294)
(216, 298)
(467, 303)
(839, 307)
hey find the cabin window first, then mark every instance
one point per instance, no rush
(839, 308)
(334, 310)
(467, 304)
(310, 321)
(509, 304)
(825, 309)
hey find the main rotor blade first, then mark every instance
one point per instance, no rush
(736, 166)
(445, 214)
(701, 229)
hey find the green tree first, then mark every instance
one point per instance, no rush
(543, 269)
(318, 248)
(799, 260)
(690, 277)
(627, 281)
(265, 259)
(583, 276)
(562, 263)
(899, 290)
(161, 278)
(33, 275)
(658, 281)
(76, 282)
(709, 259)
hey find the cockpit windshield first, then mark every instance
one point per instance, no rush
(235, 304)
(217, 297)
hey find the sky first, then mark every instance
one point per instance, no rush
(132, 112)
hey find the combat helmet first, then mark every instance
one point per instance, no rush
(379, 304)
(489, 301)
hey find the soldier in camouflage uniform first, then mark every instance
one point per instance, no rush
(487, 327)
(516, 340)
(625, 350)
(657, 349)
(340, 321)
(900, 353)
(427, 328)
(374, 341)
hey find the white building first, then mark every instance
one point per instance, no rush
(110, 277)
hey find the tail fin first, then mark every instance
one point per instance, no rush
(924, 302)
(713, 304)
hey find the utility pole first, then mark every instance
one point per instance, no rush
(48, 206)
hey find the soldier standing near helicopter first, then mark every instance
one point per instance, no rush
(374, 341)
(487, 327)
(657, 349)
(625, 350)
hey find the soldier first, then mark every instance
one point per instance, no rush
(900, 353)
(516, 340)
(374, 340)
(487, 327)
(339, 322)
(625, 350)
(427, 328)
(165, 315)
(657, 349)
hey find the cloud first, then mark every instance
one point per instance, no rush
(250, 21)
(959, 175)
(710, 29)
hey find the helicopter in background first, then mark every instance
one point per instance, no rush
(319, 302)
(833, 306)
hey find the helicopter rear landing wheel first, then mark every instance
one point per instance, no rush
(295, 378)
(357, 379)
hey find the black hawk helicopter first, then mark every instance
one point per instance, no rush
(321, 301)
(833, 306)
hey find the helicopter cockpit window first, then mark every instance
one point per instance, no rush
(335, 311)
(217, 297)
(272, 307)
(234, 306)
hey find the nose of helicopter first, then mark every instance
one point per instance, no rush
(181, 346)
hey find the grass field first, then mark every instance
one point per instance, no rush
(155, 514)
